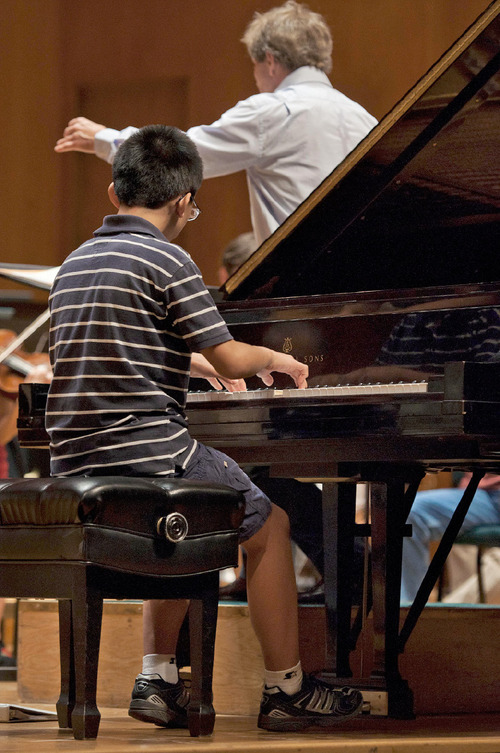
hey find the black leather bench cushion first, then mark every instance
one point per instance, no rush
(134, 504)
(113, 521)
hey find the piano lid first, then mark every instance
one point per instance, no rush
(415, 205)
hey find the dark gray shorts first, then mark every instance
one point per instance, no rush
(208, 464)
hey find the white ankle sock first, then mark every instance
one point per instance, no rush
(164, 665)
(287, 680)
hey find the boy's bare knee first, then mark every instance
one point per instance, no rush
(277, 526)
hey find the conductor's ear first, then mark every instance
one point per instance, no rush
(112, 196)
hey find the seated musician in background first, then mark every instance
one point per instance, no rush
(123, 343)
(429, 516)
(417, 348)
(8, 430)
(288, 137)
(36, 368)
(301, 501)
(9, 384)
(235, 253)
(425, 341)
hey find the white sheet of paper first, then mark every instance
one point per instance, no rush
(38, 278)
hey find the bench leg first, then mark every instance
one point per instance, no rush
(66, 702)
(86, 619)
(202, 627)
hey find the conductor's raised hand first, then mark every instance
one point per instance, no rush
(78, 136)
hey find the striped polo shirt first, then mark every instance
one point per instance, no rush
(127, 309)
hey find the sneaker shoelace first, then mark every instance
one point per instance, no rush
(319, 699)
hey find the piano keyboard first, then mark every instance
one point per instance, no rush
(338, 391)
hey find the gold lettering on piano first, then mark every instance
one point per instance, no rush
(314, 358)
(310, 358)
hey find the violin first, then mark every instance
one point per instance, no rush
(17, 366)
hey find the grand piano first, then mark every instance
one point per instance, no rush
(386, 281)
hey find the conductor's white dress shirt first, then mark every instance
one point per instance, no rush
(287, 141)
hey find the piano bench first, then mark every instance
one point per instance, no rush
(83, 539)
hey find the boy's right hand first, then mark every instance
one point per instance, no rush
(285, 364)
(237, 359)
(79, 136)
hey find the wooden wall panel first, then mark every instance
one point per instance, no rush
(53, 50)
(108, 101)
(29, 178)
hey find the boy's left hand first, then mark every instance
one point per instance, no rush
(202, 368)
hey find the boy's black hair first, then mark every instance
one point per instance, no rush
(155, 165)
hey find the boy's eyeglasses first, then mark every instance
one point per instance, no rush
(194, 209)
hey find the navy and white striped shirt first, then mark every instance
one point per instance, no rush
(127, 309)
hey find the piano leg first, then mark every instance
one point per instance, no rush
(339, 501)
(388, 529)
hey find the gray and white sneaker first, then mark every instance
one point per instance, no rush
(159, 702)
(315, 704)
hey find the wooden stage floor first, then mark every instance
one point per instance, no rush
(118, 732)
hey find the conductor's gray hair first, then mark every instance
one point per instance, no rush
(294, 34)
